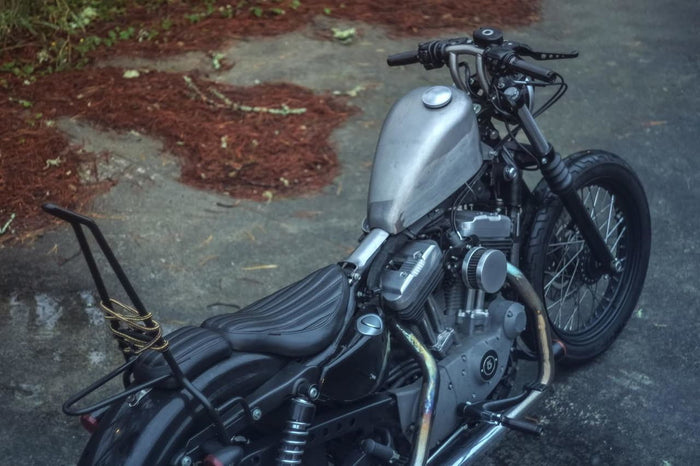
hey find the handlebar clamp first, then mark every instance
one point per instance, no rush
(432, 54)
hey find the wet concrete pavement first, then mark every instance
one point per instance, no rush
(193, 254)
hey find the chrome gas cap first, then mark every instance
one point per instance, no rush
(437, 96)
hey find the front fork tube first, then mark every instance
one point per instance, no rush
(558, 177)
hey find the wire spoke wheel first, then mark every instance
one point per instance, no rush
(574, 294)
(586, 307)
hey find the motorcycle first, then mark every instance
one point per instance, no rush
(406, 351)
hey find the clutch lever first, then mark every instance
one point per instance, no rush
(526, 50)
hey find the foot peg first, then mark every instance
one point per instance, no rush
(521, 425)
(382, 452)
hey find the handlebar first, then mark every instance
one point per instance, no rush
(532, 70)
(403, 58)
(499, 57)
(504, 59)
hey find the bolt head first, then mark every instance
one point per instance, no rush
(511, 93)
(313, 392)
(186, 461)
(510, 172)
(256, 414)
(617, 265)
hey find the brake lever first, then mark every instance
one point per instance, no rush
(526, 50)
(540, 56)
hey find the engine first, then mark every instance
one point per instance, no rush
(450, 298)
(488, 229)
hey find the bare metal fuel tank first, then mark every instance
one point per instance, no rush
(428, 147)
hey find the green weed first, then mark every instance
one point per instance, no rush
(61, 33)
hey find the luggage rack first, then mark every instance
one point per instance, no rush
(132, 326)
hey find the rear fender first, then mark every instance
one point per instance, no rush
(160, 424)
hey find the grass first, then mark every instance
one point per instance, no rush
(43, 36)
(50, 35)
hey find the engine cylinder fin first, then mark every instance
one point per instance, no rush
(454, 298)
(414, 272)
(504, 245)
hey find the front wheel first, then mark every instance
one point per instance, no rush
(587, 309)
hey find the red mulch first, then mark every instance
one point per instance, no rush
(26, 178)
(409, 17)
(264, 154)
(242, 153)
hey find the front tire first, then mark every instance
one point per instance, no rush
(588, 309)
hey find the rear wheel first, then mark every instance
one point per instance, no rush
(587, 309)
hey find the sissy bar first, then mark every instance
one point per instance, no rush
(133, 327)
(108, 305)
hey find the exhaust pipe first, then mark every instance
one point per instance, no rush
(428, 396)
(475, 447)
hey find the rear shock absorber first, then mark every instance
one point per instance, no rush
(296, 431)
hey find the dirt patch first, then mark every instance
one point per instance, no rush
(259, 143)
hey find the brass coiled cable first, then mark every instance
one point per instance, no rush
(132, 331)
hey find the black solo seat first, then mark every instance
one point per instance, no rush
(297, 321)
(196, 350)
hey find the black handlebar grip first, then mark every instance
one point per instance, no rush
(532, 70)
(403, 58)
